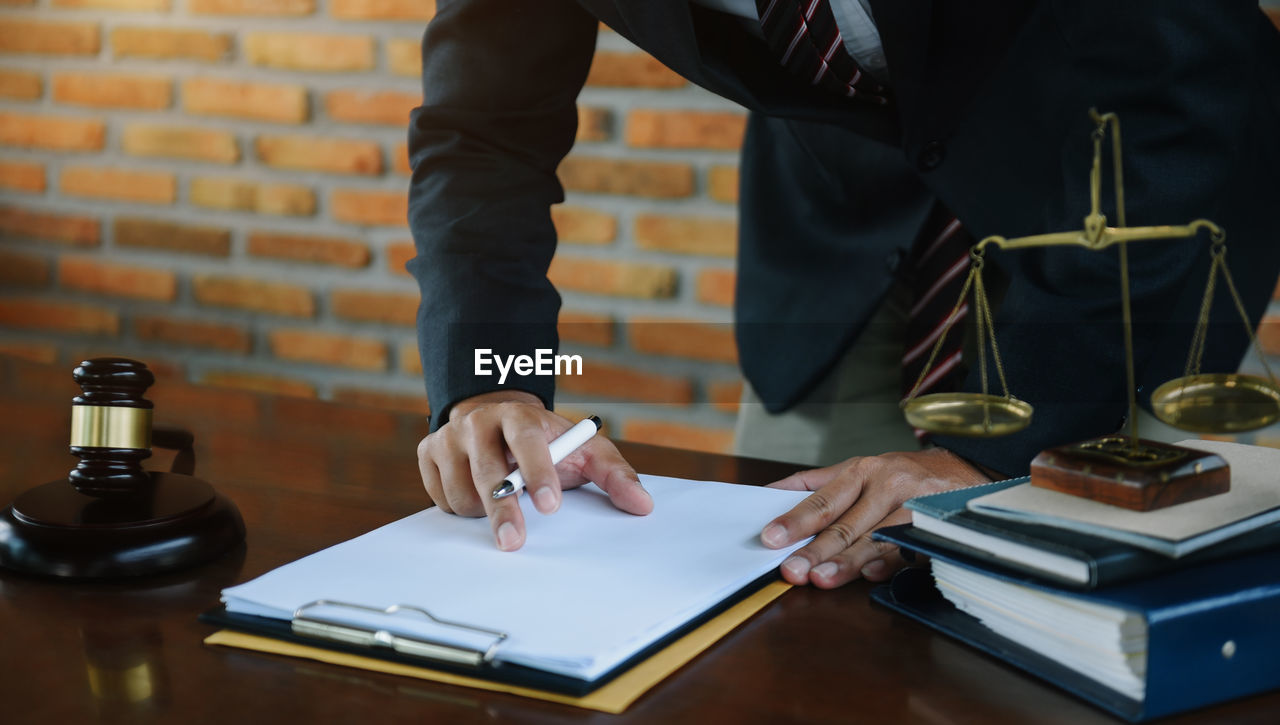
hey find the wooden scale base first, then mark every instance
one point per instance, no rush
(1142, 477)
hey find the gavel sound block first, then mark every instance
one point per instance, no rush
(109, 518)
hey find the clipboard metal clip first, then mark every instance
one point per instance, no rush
(311, 625)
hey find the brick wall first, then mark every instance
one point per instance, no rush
(218, 187)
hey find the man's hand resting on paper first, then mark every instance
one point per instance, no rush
(487, 435)
(849, 501)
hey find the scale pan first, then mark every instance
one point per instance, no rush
(968, 414)
(1218, 403)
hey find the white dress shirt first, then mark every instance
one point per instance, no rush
(853, 18)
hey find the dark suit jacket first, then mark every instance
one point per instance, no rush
(989, 115)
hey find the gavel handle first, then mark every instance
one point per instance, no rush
(180, 440)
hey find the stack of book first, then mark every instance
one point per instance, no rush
(1143, 613)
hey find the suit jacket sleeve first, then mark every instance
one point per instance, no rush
(500, 79)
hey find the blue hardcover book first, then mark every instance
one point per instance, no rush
(1193, 637)
(1061, 556)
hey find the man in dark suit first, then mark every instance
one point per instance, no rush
(983, 116)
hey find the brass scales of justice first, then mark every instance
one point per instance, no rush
(1118, 469)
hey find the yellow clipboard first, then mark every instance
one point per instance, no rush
(613, 697)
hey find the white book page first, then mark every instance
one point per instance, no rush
(591, 586)
(1254, 490)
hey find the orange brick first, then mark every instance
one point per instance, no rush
(585, 327)
(398, 255)
(397, 402)
(400, 159)
(309, 51)
(36, 352)
(240, 195)
(22, 176)
(584, 226)
(277, 298)
(404, 56)
(223, 406)
(150, 187)
(678, 435)
(386, 107)
(24, 223)
(408, 358)
(382, 9)
(622, 383)
(252, 7)
(715, 286)
(392, 308)
(314, 418)
(1269, 335)
(138, 233)
(722, 183)
(192, 333)
(726, 395)
(169, 44)
(40, 314)
(112, 90)
(137, 5)
(325, 348)
(721, 130)
(117, 280)
(374, 208)
(594, 124)
(52, 133)
(50, 38)
(683, 338)
(20, 85)
(259, 383)
(621, 279)
(176, 142)
(255, 101)
(23, 270)
(687, 235)
(342, 252)
(651, 179)
(312, 153)
(631, 70)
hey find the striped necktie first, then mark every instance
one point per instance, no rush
(936, 273)
(804, 35)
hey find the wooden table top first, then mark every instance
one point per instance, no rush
(308, 474)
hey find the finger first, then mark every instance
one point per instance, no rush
(809, 480)
(488, 462)
(875, 560)
(431, 478)
(455, 479)
(481, 442)
(851, 530)
(507, 521)
(878, 570)
(602, 463)
(819, 510)
(527, 440)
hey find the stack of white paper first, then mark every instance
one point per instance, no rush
(1106, 644)
(591, 587)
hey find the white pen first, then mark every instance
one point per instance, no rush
(568, 442)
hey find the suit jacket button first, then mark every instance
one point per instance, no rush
(894, 260)
(930, 156)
